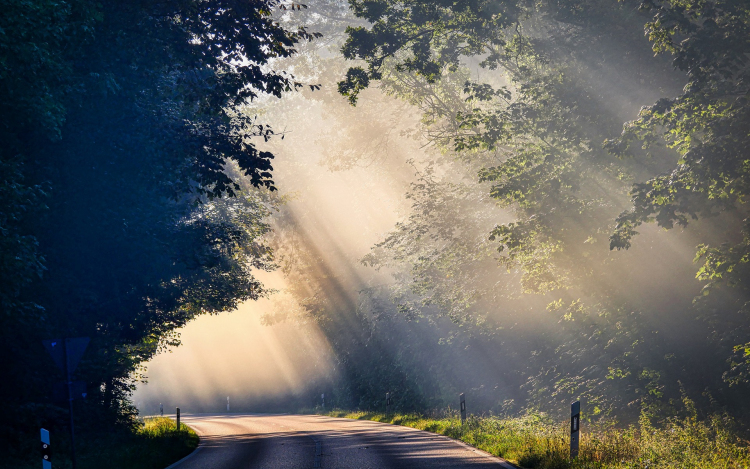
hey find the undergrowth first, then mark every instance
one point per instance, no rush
(151, 443)
(536, 442)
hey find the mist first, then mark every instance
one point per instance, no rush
(389, 277)
(340, 196)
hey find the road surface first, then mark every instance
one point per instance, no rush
(266, 441)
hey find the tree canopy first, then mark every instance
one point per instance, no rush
(133, 194)
(553, 132)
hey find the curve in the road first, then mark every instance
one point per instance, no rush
(268, 441)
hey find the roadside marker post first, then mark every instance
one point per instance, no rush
(178, 419)
(66, 354)
(227, 403)
(387, 403)
(46, 450)
(575, 428)
(462, 400)
(323, 400)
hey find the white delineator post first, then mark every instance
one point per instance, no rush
(46, 450)
(227, 403)
(575, 428)
(323, 400)
(462, 401)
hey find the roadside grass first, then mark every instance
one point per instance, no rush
(157, 444)
(153, 443)
(536, 442)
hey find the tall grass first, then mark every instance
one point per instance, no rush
(534, 441)
(157, 444)
(152, 443)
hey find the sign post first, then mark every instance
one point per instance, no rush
(575, 428)
(60, 391)
(178, 419)
(46, 451)
(462, 400)
(387, 403)
(67, 353)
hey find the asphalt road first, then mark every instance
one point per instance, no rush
(266, 441)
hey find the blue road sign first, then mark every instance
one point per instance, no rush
(72, 348)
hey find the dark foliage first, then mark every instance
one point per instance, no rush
(118, 218)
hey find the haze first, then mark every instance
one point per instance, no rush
(388, 279)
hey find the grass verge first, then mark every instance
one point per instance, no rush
(157, 444)
(153, 443)
(536, 442)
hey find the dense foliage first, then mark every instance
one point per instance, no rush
(133, 196)
(558, 132)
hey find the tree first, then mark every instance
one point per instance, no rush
(120, 118)
(542, 133)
